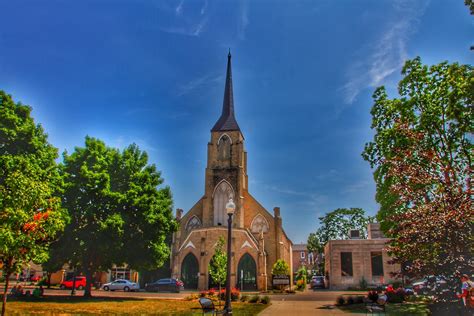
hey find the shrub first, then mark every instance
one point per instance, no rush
(340, 300)
(373, 296)
(202, 294)
(43, 282)
(192, 297)
(254, 299)
(265, 299)
(234, 294)
(244, 298)
(393, 297)
(301, 284)
(397, 296)
(363, 283)
(350, 300)
(211, 292)
(358, 299)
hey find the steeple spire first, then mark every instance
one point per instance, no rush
(227, 120)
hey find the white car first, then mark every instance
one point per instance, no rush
(124, 285)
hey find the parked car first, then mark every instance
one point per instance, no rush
(80, 283)
(317, 281)
(430, 284)
(120, 284)
(36, 278)
(165, 285)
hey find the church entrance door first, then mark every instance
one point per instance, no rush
(189, 272)
(247, 273)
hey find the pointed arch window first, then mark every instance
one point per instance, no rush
(223, 147)
(193, 223)
(222, 194)
(259, 224)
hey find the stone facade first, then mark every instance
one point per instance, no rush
(258, 238)
(348, 261)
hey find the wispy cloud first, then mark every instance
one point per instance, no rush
(204, 7)
(179, 8)
(356, 186)
(388, 53)
(312, 199)
(189, 23)
(198, 83)
(192, 30)
(243, 19)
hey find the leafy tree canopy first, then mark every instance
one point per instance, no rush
(313, 244)
(422, 154)
(337, 224)
(118, 213)
(30, 208)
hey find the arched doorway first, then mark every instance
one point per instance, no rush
(189, 272)
(247, 273)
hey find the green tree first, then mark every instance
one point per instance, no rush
(280, 267)
(313, 244)
(30, 207)
(337, 224)
(422, 154)
(218, 264)
(118, 213)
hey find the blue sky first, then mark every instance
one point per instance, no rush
(152, 72)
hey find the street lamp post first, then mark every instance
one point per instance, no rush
(230, 208)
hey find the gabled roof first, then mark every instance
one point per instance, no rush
(227, 121)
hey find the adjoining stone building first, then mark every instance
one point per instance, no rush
(302, 257)
(348, 261)
(258, 238)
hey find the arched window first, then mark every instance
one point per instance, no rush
(259, 224)
(223, 148)
(193, 223)
(222, 194)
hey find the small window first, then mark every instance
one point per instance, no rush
(302, 255)
(377, 263)
(346, 264)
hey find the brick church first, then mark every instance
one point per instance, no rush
(258, 238)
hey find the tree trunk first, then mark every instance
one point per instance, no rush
(88, 289)
(7, 282)
(219, 296)
(49, 279)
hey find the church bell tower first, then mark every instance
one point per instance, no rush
(226, 171)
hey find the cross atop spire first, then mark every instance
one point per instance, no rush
(227, 120)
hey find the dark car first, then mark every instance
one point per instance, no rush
(165, 285)
(317, 282)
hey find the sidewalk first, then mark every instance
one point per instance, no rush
(301, 308)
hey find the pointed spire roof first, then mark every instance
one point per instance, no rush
(227, 121)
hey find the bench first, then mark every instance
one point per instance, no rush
(208, 307)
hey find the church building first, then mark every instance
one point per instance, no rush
(258, 238)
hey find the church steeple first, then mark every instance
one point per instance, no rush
(227, 121)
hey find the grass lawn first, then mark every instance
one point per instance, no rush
(111, 306)
(407, 308)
